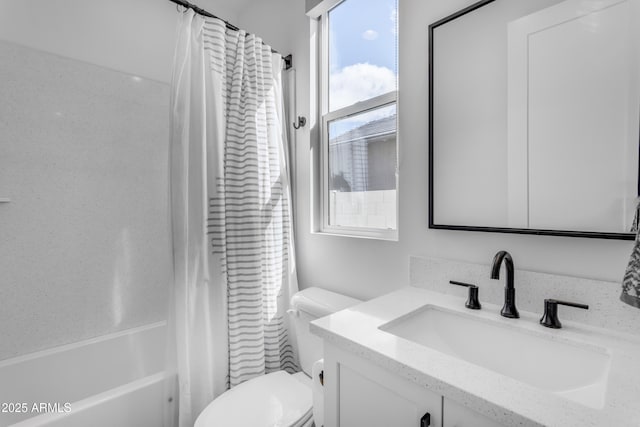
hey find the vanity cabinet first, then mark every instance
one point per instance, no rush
(456, 415)
(359, 393)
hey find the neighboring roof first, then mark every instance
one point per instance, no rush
(383, 126)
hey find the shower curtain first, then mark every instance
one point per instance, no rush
(231, 213)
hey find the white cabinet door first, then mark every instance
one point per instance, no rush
(364, 402)
(455, 415)
(360, 394)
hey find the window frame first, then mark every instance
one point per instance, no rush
(325, 117)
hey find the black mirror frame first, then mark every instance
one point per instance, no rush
(432, 224)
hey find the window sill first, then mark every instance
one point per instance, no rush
(370, 234)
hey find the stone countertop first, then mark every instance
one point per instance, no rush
(501, 398)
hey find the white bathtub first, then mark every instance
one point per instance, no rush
(114, 380)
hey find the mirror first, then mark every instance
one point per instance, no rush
(534, 111)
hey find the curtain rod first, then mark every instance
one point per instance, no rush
(288, 60)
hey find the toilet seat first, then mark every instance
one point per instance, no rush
(273, 400)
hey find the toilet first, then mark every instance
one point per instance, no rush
(279, 398)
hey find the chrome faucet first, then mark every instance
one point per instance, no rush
(509, 308)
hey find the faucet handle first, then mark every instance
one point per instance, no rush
(472, 302)
(550, 317)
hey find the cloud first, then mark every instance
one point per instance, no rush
(359, 82)
(370, 35)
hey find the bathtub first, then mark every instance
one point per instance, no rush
(113, 380)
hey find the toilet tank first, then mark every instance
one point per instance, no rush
(308, 305)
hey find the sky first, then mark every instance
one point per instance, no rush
(362, 54)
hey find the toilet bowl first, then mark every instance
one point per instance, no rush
(275, 399)
(279, 398)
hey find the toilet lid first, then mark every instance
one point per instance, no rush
(272, 400)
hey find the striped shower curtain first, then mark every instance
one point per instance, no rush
(233, 242)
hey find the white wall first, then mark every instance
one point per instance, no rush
(366, 268)
(274, 21)
(132, 36)
(135, 37)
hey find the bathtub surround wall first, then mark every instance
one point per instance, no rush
(85, 244)
(605, 308)
(366, 268)
(66, 262)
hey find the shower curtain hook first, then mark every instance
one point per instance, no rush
(300, 123)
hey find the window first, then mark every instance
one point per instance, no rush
(358, 107)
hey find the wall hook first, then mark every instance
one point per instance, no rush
(300, 123)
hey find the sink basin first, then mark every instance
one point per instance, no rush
(574, 370)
